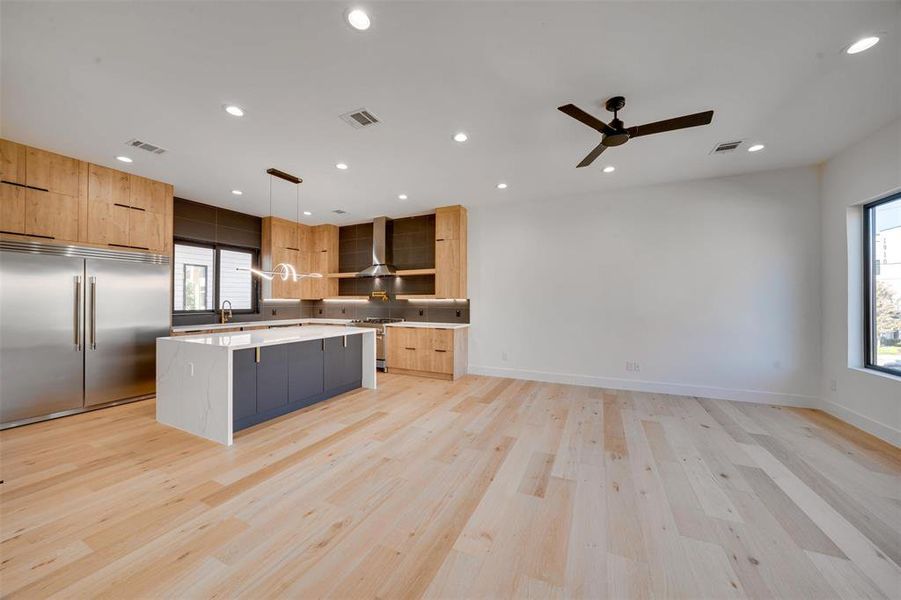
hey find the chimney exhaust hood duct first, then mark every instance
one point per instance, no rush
(381, 251)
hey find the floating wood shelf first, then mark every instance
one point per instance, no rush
(341, 275)
(414, 296)
(346, 298)
(409, 272)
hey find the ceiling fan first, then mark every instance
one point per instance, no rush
(615, 134)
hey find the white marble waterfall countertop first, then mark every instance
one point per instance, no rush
(273, 323)
(240, 340)
(428, 325)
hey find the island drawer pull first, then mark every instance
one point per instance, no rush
(257, 354)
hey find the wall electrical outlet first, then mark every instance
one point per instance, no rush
(833, 385)
(632, 366)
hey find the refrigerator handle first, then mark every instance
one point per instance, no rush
(93, 313)
(78, 309)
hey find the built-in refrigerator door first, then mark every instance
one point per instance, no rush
(127, 309)
(41, 343)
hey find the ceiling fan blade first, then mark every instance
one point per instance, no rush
(592, 155)
(701, 118)
(580, 115)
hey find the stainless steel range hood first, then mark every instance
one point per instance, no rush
(381, 251)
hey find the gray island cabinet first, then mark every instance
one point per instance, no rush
(215, 385)
(270, 381)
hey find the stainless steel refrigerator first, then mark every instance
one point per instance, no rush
(78, 328)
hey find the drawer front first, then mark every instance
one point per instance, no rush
(442, 351)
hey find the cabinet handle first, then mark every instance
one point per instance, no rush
(408, 348)
(439, 239)
(127, 246)
(436, 350)
(290, 248)
(345, 341)
(119, 204)
(257, 357)
(45, 237)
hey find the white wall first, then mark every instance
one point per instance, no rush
(863, 172)
(711, 286)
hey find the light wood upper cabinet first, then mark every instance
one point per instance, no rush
(108, 197)
(12, 208)
(108, 185)
(126, 210)
(51, 215)
(324, 260)
(148, 194)
(12, 162)
(51, 172)
(284, 234)
(450, 252)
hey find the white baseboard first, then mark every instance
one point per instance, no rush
(880, 430)
(657, 387)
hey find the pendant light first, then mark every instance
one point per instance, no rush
(285, 271)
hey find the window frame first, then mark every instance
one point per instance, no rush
(215, 247)
(870, 343)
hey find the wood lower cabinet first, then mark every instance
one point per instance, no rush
(270, 381)
(429, 352)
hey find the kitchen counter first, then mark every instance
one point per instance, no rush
(240, 340)
(273, 323)
(213, 384)
(428, 325)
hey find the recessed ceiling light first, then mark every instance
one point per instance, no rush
(502, 186)
(402, 197)
(237, 192)
(124, 159)
(756, 147)
(235, 111)
(862, 44)
(341, 166)
(460, 137)
(358, 19)
(609, 169)
(307, 213)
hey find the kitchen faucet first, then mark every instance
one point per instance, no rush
(225, 315)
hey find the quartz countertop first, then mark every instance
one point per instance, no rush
(268, 337)
(273, 323)
(428, 325)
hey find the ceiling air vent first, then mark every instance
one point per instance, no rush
(359, 118)
(338, 211)
(726, 147)
(133, 143)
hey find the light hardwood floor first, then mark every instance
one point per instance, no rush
(483, 487)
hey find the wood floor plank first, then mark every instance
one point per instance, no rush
(478, 488)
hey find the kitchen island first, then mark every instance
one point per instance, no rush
(212, 385)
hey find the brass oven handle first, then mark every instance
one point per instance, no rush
(93, 313)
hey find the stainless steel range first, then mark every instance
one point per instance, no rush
(379, 325)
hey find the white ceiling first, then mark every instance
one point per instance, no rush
(82, 78)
